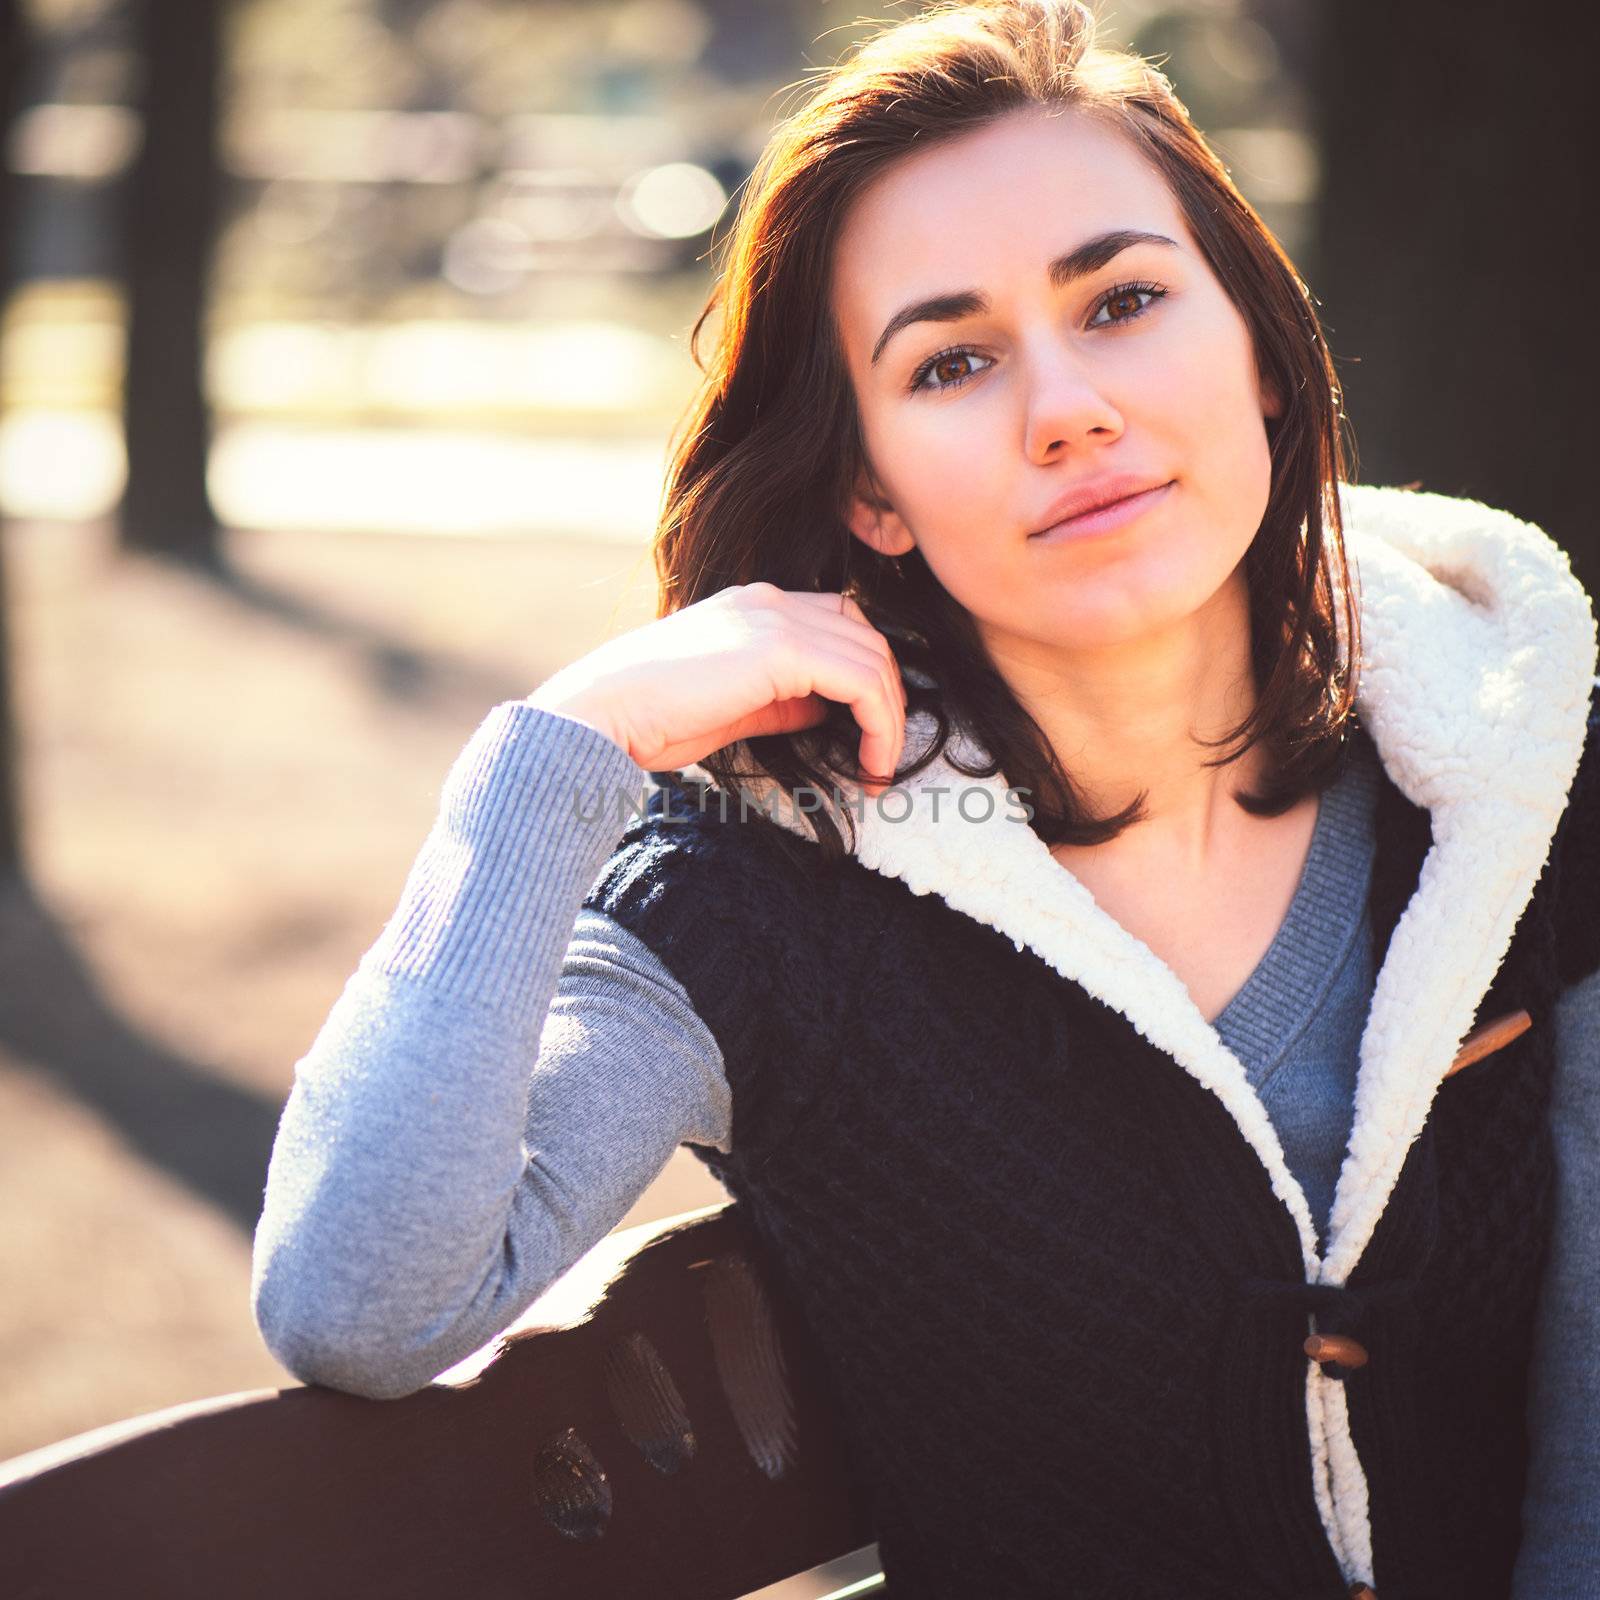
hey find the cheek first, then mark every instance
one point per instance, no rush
(1209, 394)
(1235, 489)
(1212, 411)
(949, 476)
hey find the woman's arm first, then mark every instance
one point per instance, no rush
(1560, 1555)
(501, 1077)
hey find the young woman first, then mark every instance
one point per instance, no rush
(1103, 869)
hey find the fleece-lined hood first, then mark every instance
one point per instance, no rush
(1478, 657)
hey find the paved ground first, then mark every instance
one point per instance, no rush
(223, 786)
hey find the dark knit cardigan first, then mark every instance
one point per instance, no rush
(1034, 1214)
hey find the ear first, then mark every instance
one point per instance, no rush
(874, 521)
(1271, 400)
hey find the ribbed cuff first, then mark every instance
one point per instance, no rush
(528, 814)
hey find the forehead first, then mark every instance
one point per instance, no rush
(1001, 199)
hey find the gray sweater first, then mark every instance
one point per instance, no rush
(505, 1073)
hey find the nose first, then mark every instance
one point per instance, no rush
(1066, 405)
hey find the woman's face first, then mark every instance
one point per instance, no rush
(978, 416)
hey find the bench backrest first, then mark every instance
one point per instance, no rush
(676, 1441)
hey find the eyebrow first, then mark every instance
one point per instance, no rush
(1079, 263)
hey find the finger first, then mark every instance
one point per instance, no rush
(857, 679)
(842, 614)
(859, 634)
(780, 716)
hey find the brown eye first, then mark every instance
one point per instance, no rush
(1134, 298)
(949, 370)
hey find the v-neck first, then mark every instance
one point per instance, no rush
(1277, 1002)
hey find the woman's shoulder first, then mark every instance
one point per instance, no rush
(1576, 854)
(732, 909)
(1583, 798)
(694, 856)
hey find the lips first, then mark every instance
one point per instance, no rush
(1095, 496)
(1104, 520)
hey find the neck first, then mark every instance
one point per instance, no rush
(1126, 719)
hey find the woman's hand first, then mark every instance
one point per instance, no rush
(749, 660)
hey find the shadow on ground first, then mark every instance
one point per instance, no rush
(211, 1135)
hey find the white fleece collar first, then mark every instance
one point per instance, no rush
(1479, 651)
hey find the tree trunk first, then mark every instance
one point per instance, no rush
(172, 202)
(1458, 150)
(11, 58)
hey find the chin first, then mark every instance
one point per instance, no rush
(1149, 615)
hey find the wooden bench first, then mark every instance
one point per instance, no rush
(655, 1426)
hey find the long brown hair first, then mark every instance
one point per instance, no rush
(769, 453)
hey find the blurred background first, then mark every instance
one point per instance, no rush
(341, 341)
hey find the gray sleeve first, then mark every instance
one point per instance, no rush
(501, 1077)
(1560, 1553)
